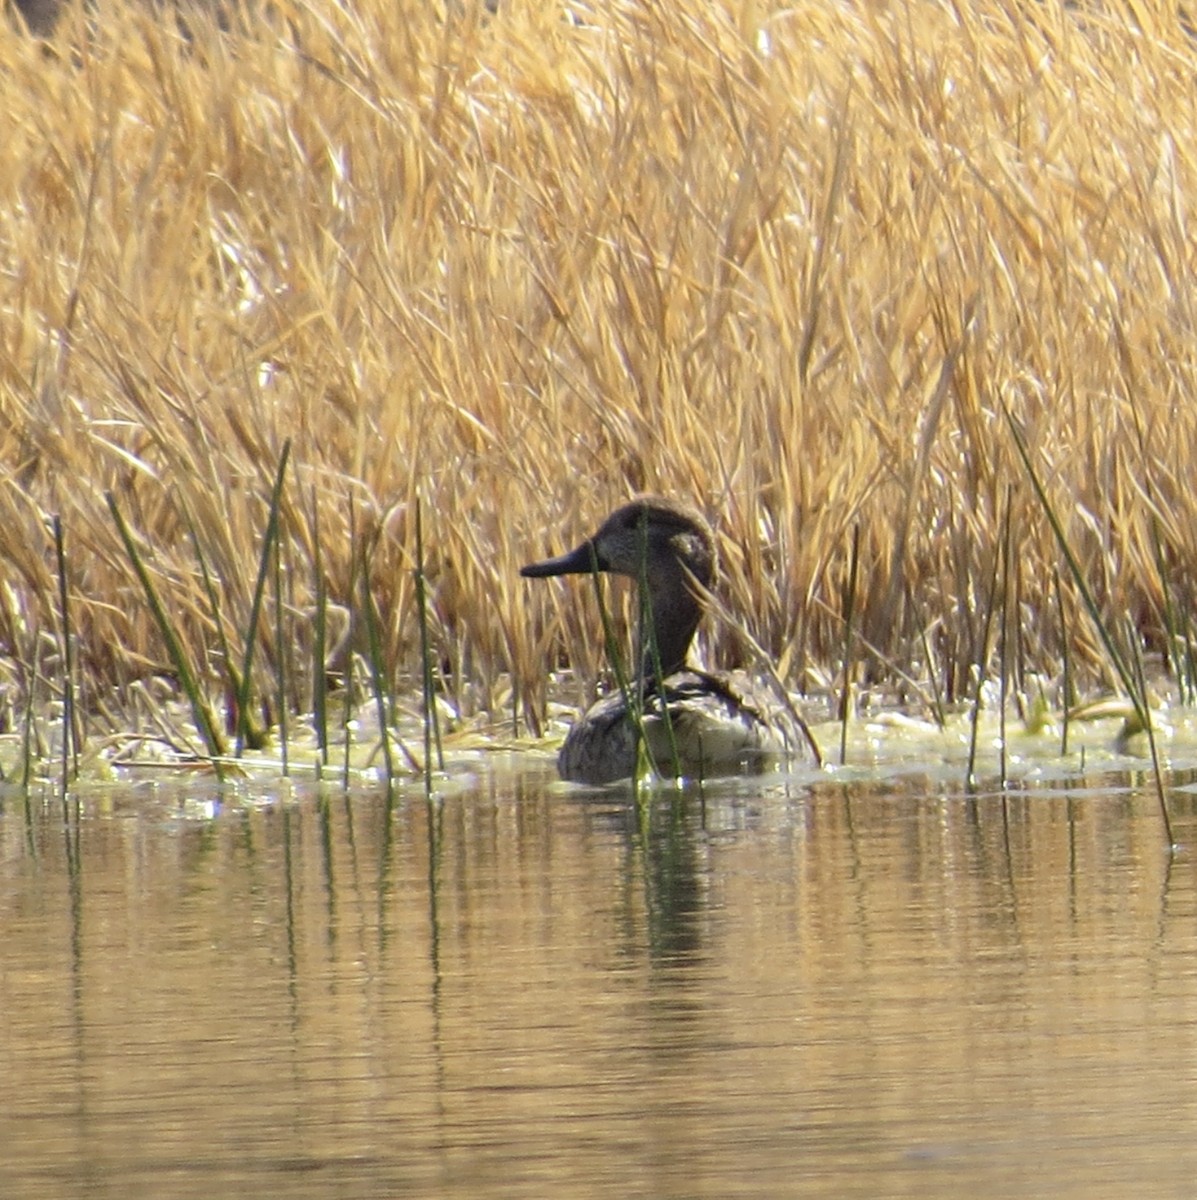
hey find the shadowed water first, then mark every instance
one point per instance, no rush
(838, 990)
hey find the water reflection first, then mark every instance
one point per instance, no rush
(842, 989)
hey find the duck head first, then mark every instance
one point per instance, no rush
(662, 542)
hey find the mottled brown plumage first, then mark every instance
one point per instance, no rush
(719, 725)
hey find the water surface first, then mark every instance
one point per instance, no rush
(807, 989)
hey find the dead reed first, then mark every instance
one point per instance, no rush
(791, 261)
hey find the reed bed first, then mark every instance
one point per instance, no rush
(794, 262)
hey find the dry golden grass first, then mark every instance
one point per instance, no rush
(790, 261)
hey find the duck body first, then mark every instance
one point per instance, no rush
(693, 726)
(686, 722)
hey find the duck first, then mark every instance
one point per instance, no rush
(686, 722)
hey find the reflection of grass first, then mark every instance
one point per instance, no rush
(522, 267)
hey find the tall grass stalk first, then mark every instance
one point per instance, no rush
(1174, 657)
(319, 642)
(763, 665)
(378, 683)
(632, 695)
(1007, 556)
(255, 610)
(937, 707)
(648, 651)
(255, 736)
(1117, 658)
(981, 668)
(1133, 682)
(355, 561)
(201, 714)
(1190, 664)
(1066, 697)
(1157, 772)
(282, 645)
(849, 613)
(29, 670)
(432, 728)
(70, 739)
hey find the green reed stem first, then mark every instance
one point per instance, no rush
(648, 639)
(377, 674)
(1066, 682)
(232, 679)
(320, 641)
(1116, 656)
(282, 642)
(174, 649)
(255, 611)
(631, 700)
(1190, 666)
(849, 617)
(355, 557)
(30, 672)
(1136, 688)
(432, 727)
(1176, 650)
(1004, 660)
(933, 674)
(1155, 758)
(982, 660)
(70, 742)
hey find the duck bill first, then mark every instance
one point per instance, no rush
(581, 561)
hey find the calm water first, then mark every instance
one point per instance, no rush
(823, 990)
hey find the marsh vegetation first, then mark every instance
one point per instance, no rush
(811, 266)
